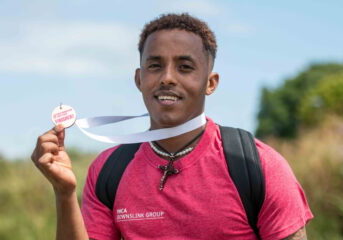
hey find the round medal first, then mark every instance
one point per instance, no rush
(64, 115)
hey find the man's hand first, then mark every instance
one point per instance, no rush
(52, 160)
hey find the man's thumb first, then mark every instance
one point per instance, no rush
(60, 135)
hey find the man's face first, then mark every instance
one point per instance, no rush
(175, 76)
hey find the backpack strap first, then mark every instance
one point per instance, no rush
(245, 170)
(112, 171)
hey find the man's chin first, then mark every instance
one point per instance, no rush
(167, 121)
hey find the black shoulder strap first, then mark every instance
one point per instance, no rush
(245, 170)
(112, 171)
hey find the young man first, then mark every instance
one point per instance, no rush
(198, 200)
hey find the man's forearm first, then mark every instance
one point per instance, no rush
(70, 225)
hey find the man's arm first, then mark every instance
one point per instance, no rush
(70, 223)
(299, 235)
(53, 161)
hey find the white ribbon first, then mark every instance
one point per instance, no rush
(147, 136)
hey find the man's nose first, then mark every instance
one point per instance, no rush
(169, 76)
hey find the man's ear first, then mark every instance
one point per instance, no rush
(138, 78)
(212, 83)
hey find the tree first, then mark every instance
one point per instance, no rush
(326, 98)
(279, 108)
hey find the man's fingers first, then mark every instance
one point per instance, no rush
(60, 132)
(49, 147)
(61, 136)
(53, 130)
(50, 142)
(44, 160)
(47, 142)
(47, 137)
(58, 128)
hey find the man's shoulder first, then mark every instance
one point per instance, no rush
(267, 152)
(264, 150)
(272, 162)
(101, 158)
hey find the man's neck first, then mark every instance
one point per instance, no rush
(176, 143)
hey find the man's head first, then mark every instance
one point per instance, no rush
(177, 54)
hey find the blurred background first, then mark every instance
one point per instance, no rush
(281, 77)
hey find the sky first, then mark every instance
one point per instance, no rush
(84, 54)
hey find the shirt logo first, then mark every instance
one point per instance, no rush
(124, 215)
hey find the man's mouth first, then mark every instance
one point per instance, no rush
(167, 99)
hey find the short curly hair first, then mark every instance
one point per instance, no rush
(182, 21)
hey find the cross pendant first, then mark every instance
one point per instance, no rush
(167, 171)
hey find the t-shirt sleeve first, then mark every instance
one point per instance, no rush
(285, 209)
(98, 218)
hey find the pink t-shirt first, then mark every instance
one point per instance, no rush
(201, 202)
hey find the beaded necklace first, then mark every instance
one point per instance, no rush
(169, 169)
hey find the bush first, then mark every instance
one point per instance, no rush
(316, 158)
(279, 108)
(326, 98)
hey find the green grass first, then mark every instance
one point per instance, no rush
(316, 158)
(27, 202)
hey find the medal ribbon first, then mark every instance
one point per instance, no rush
(147, 136)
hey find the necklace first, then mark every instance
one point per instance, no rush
(169, 169)
(165, 154)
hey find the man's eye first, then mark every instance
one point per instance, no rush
(154, 66)
(186, 67)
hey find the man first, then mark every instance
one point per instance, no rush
(198, 200)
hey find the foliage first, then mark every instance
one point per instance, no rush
(316, 158)
(326, 98)
(279, 108)
(27, 203)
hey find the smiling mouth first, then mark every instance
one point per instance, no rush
(167, 100)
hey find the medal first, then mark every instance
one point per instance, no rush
(64, 115)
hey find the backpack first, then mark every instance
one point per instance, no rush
(241, 157)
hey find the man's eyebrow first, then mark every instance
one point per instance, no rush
(152, 58)
(182, 57)
(186, 57)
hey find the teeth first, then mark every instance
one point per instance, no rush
(167, 98)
